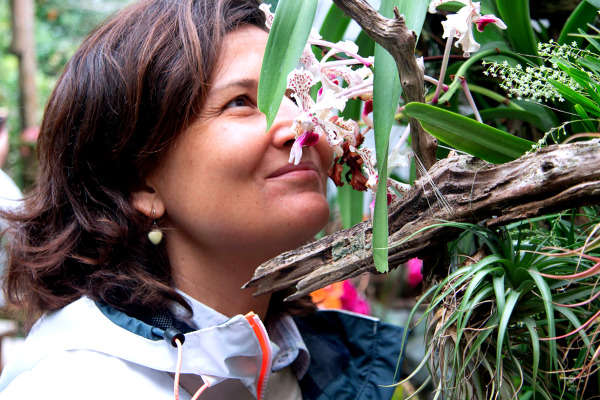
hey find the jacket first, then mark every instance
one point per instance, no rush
(89, 350)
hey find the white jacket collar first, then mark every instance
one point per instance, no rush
(228, 350)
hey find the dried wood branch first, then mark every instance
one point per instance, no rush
(399, 41)
(552, 179)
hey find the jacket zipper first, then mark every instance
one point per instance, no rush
(265, 346)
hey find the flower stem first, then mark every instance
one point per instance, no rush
(465, 87)
(341, 49)
(357, 90)
(447, 50)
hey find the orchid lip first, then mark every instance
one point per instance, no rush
(289, 168)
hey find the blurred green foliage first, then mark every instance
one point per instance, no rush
(60, 26)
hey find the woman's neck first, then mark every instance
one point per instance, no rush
(216, 280)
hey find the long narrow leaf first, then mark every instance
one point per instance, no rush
(579, 18)
(535, 347)
(515, 13)
(287, 39)
(511, 300)
(386, 94)
(414, 12)
(521, 115)
(576, 98)
(549, 307)
(470, 136)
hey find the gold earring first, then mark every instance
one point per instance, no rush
(155, 235)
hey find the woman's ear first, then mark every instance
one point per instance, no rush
(147, 201)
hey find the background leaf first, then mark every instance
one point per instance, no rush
(470, 136)
(288, 36)
(584, 14)
(516, 16)
(335, 25)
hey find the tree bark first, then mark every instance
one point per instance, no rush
(399, 41)
(468, 190)
(23, 46)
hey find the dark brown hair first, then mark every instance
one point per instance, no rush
(135, 83)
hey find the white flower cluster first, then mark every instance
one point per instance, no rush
(533, 82)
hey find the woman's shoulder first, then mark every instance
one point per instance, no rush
(75, 374)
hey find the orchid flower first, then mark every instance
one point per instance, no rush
(395, 159)
(460, 26)
(318, 118)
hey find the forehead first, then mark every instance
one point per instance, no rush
(240, 56)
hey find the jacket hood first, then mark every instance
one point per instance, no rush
(228, 350)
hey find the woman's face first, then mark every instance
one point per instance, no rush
(225, 184)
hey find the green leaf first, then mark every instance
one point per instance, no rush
(586, 120)
(535, 346)
(287, 39)
(480, 140)
(511, 301)
(549, 307)
(591, 63)
(515, 14)
(350, 202)
(575, 98)
(366, 45)
(590, 39)
(414, 12)
(386, 94)
(335, 25)
(582, 78)
(520, 115)
(584, 14)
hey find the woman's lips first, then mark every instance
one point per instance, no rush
(302, 169)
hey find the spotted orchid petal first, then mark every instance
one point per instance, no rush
(369, 161)
(401, 188)
(341, 129)
(349, 75)
(309, 61)
(266, 8)
(300, 81)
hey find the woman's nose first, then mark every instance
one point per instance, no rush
(283, 136)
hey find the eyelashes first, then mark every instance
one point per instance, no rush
(240, 101)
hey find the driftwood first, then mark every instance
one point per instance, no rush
(552, 179)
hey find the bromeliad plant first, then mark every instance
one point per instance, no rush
(520, 317)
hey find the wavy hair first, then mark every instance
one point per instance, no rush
(136, 82)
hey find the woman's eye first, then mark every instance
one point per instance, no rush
(240, 101)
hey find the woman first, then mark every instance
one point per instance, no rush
(159, 194)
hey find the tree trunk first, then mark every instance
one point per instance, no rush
(23, 46)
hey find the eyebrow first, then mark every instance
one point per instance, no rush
(239, 83)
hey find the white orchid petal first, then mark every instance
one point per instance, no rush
(266, 8)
